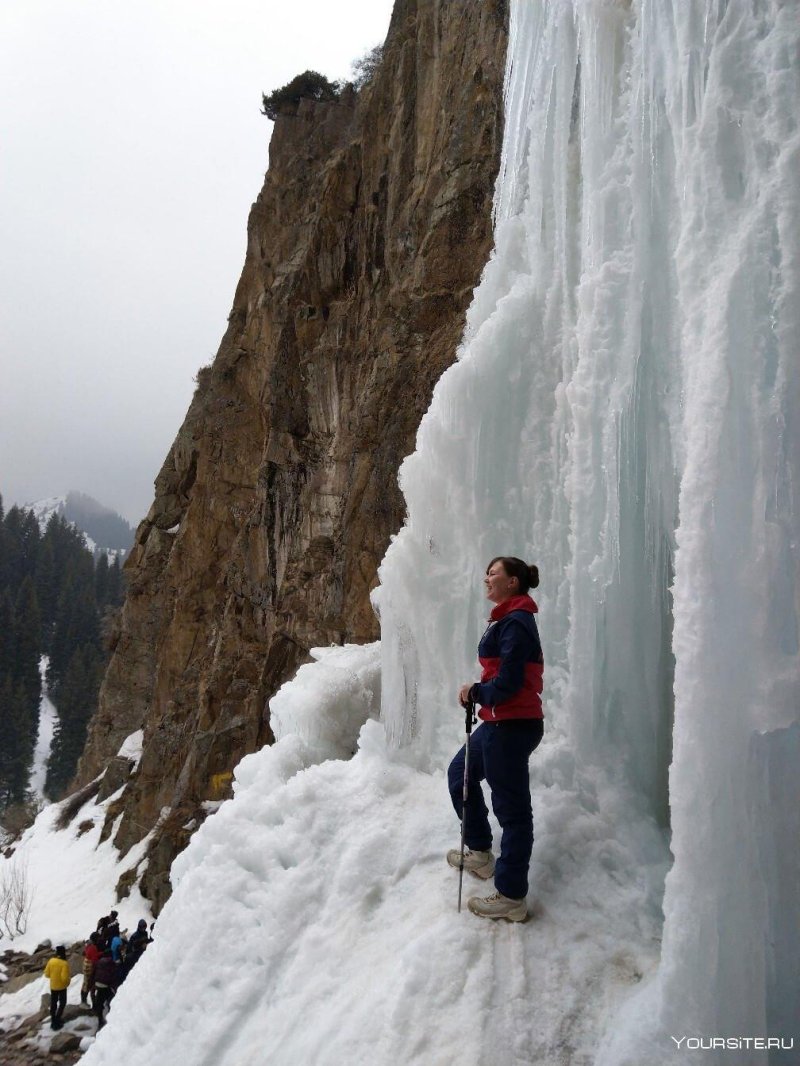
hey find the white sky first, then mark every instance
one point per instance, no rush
(131, 148)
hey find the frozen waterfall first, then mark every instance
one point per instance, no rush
(624, 413)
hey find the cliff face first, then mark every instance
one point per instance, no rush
(276, 501)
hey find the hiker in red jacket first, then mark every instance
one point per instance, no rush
(91, 953)
(509, 696)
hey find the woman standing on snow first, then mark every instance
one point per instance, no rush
(509, 694)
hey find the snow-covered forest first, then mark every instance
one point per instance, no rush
(54, 596)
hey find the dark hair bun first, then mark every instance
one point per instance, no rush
(533, 572)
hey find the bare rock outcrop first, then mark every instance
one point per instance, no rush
(278, 497)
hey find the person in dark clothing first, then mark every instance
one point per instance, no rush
(105, 985)
(509, 695)
(108, 928)
(136, 945)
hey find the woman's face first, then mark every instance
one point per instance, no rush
(499, 586)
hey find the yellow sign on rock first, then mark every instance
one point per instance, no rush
(220, 783)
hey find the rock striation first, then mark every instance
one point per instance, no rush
(277, 499)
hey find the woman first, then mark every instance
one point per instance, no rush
(509, 695)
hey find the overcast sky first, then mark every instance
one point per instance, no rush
(131, 148)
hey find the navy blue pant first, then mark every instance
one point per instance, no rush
(499, 753)
(58, 1001)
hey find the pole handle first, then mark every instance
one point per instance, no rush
(471, 716)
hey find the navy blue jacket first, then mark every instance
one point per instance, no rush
(510, 654)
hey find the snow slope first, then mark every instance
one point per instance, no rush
(314, 918)
(72, 876)
(623, 413)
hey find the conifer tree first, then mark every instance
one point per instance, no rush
(76, 704)
(60, 649)
(101, 580)
(7, 636)
(47, 588)
(12, 557)
(28, 642)
(116, 583)
(31, 538)
(17, 743)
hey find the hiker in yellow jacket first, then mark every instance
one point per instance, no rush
(57, 970)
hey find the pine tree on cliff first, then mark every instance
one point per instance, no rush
(310, 85)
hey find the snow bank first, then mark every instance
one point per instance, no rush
(314, 920)
(330, 699)
(72, 877)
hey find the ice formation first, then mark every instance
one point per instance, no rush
(624, 413)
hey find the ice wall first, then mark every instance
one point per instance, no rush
(624, 413)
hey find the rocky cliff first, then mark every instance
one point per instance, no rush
(276, 502)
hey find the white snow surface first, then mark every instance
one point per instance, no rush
(15, 1007)
(48, 717)
(314, 920)
(132, 748)
(623, 413)
(46, 508)
(73, 877)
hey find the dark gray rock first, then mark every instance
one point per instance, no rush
(65, 1041)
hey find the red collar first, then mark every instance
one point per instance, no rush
(515, 603)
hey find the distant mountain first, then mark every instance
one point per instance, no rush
(104, 529)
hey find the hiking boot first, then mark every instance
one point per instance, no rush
(480, 863)
(499, 906)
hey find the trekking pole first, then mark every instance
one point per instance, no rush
(470, 721)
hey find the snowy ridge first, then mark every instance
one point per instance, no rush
(623, 414)
(44, 510)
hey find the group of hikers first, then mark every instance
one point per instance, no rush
(108, 958)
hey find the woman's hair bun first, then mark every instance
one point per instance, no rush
(533, 573)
